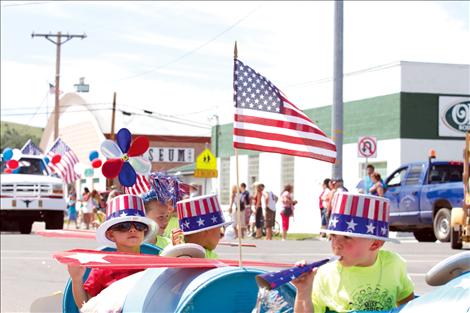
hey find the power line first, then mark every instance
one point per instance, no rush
(25, 4)
(193, 50)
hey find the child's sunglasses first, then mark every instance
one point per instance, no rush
(126, 226)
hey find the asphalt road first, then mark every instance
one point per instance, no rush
(29, 272)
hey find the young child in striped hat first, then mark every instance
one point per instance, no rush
(126, 227)
(163, 194)
(201, 219)
(365, 277)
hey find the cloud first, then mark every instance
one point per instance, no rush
(152, 45)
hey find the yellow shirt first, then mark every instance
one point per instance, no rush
(210, 254)
(162, 242)
(376, 287)
(172, 224)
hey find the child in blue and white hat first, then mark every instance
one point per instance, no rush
(126, 227)
(365, 277)
(201, 219)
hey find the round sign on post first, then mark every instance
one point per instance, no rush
(367, 147)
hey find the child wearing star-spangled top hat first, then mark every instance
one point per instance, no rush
(200, 220)
(126, 227)
(365, 277)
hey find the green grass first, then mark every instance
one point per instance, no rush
(15, 135)
(298, 236)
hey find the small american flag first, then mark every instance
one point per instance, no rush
(30, 148)
(68, 160)
(141, 185)
(266, 121)
(52, 89)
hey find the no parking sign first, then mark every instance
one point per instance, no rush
(367, 147)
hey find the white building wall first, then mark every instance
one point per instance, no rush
(417, 149)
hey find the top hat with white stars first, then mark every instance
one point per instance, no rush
(359, 215)
(125, 208)
(200, 213)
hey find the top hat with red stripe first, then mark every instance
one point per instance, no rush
(200, 213)
(125, 208)
(359, 215)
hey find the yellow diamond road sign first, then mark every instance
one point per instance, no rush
(206, 165)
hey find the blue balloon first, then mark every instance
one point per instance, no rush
(127, 176)
(7, 154)
(123, 138)
(93, 155)
(46, 159)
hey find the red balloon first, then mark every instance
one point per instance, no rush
(56, 159)
(96, 163)
(12, 164)
(112, 167)
(8, 170)
(139, 146)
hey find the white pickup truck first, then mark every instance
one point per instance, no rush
(31, 194)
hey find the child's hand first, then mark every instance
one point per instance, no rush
(176, 236)
(76, 272)
(304, 282)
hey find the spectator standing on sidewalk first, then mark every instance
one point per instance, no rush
(258, 199)
(323, 203)
(288, 204)
(270, 214)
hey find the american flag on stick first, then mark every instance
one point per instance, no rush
(266, 121)
(30, 148)
(67, 161)
(141, 185)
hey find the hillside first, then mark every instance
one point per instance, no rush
(15, 135)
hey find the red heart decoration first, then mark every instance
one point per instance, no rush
(96, 163)
(56, 159)
(112, 167)
(12, 164)
(139, 146)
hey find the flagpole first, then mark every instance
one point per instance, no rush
(239, 215)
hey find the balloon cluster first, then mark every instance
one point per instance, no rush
(124, 158)
(13, 156)
(94, 158)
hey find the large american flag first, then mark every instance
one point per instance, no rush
(30, 148)
(64, 168)
(141, 185)
(266, 121)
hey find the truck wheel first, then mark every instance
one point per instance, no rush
(424, 235)
(55, 220)
(455, 237)
(442, 225)
(25, 227)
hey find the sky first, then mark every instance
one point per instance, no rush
(176, 58)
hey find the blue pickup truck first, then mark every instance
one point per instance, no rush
(422, 194)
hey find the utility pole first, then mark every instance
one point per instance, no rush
(60, 39)
(337, 107)
(110, 181)
(113, 116)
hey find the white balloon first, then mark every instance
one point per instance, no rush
(141, 165)
(79, 168)
(110, 149)
(16, 154)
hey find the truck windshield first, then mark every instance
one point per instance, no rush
(30, 166)
(445, 173)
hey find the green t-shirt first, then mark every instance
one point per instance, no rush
(172, 224)
(162, 242)
(210, 254)
(376, 287)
